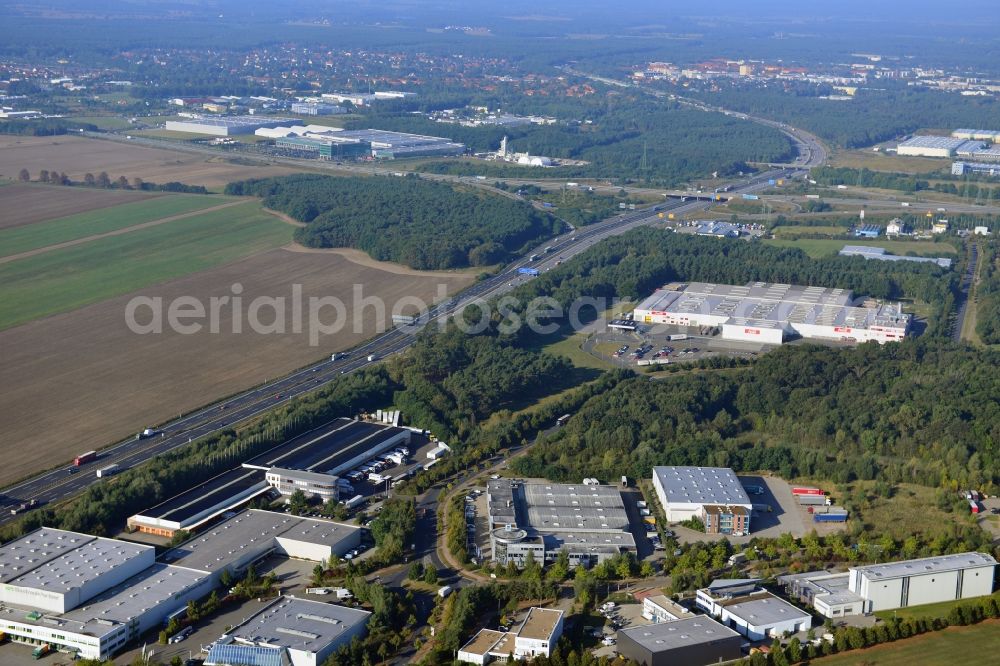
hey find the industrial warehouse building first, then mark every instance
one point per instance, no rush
(881, 254)
(325, 147)
(930, 146)
(587, 521)
(253, 535)
(893, 585)
(536, 636)
(224, 125)
(993, 136)
(86, 595)
(712, 494)
(768, 313)
(310, 463)
(202, 504)
(317, 109)
(382, 144)
(751, 610)
(977, 168)
(89, 596)
(293, 631)
(696, 641)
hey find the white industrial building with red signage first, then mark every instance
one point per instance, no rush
(770, 313)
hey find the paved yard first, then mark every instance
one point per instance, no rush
(785, 515)
(988, 520)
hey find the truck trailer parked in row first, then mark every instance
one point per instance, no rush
(838, 517)
(813, 500)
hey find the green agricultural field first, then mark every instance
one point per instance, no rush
(796, 231)
(869, 159)
(41, 234)
(955, 645)
(68, 278)
(930, 611)
(103, 122)
(822, 247)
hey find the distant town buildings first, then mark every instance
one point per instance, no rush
(317, 109)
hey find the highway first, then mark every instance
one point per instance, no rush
(965, 287)
(65, 482)
(811, 151)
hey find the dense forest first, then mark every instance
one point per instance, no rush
(988, 294)
(628, 138)
(870, 117)
(918, 412)
(420, 223)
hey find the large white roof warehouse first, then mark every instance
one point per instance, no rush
(768, 313)
(684, 492)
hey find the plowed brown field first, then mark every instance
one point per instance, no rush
(81, 380)
(76, 156)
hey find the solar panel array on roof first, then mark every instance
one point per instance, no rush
(244, 655)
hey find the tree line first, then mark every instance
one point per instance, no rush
(44, 127)
(104, 181)
(420, 223)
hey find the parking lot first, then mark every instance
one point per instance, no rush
(389, 469)
(988, 518)
(651, 345)
(619, 616)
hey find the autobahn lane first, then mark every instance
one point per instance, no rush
(64, 482)
(965, 289)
